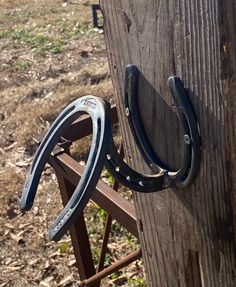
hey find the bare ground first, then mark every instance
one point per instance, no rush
(49, 55)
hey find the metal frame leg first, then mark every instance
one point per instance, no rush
(79, 235)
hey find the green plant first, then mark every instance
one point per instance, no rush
(109, 177)
(3, 34)
(57, 46)
(102, 214)
(95, 253)
(114, 276)
(108, 259)
(18, 34)
(136, 282)
(64, 247)
(22, 65)
(39, 41)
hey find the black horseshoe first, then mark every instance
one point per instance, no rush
(131, 178)
(191, 135)
(99, 112)
(164, 177)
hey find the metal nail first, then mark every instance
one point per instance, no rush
(127, 111)
(187, 139)
(141, 183)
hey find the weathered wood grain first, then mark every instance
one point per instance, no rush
(187, 236)
(228, 29)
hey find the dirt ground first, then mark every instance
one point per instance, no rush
(50, 54)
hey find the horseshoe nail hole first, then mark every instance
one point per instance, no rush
(108, 157)
(128, 178)
(117, 168)
(187, 139)
(174, 108)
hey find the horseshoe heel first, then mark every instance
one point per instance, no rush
(190, 135)
(99, 112)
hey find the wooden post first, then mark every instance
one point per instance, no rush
(187, 236)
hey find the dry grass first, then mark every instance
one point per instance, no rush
(37, 104)
(49, 55)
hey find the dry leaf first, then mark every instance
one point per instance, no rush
(9, 226)
(21, 163)
(34, 261)
(8, 261)
(5, 283)
(71, 262)
(13, 268)
(15, 237)
(66, 280)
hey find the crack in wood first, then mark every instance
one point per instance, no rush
(126, 19)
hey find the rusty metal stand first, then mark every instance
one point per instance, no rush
(68, 173)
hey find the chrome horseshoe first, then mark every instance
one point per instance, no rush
(99, 112)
